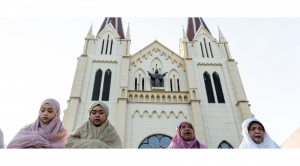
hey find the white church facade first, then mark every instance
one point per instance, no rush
(203, 86)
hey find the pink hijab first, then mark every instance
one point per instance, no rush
(42, 135)
(179, 143)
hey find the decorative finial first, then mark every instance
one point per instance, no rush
(109, 21)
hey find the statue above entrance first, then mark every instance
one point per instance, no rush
(157, 80)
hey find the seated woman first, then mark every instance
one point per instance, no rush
(1, 140)
(185, 138)
(255, 136)
(46, 132)
(96, 132)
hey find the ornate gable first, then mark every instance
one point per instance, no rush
(201, 31)
(109, 28)
(163, 51)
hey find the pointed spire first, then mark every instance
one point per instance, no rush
(221, 37)
(116, 23)
(90, 33)
(128, 33)
(193, 25)
(184, 37)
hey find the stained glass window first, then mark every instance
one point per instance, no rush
(225, 145)
(156, 142)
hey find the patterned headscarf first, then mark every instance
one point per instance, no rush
(179, 142)
(42, 135)
(248, 143)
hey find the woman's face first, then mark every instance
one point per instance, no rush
(46, 113)
(186, 131)
(256, 133)
(98, 115)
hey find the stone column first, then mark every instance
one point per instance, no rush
(122, 107)
(71, 111)
(195, 103)
(242, 101)
(197, 121)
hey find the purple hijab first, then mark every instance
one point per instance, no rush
(179, 143)
(42, 135)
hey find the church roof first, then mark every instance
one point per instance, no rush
(193, 25)
(117, 24)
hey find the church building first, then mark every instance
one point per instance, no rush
(202, 86)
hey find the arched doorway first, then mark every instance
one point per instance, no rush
(158, 141)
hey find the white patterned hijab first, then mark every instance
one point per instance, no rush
(248, 143)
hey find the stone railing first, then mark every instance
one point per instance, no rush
(158, 96)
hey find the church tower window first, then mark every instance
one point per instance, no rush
(202, 49)
(205, 48)
(143, 84)
(171, 84)
(210, 50)
(97, 85)
(178, 85)
(107, 44)
(102, 46)
(225, 145)
(218, 87)
(106, 86)
(209, 89)
(135, 84)
(111, 44)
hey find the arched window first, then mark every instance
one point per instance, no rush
(143, 84)
(97, 86)
(209, 89)
(210, 50)
(218, 87)
(111, 44)
(106, 86)
(205, 48)
(102, 46)
(107, 44)
(135, 84)
(156, 142)
(178, 85)
(225, 145)
(171, 84)
(202, 49)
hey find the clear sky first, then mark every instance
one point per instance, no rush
(39, 58)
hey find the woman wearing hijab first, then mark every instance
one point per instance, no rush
(96, 132)
(255, 136)
(185, 138)
(46, 132)
(1, 140)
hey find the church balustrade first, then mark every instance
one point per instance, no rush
(158, 96)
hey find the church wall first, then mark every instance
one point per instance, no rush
(146, 119)
(220, 120)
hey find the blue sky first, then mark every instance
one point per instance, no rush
(38, 61)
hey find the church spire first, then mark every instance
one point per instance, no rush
(90, 33)
(116, 23)
(221, 37)
(193, 25)
(128, 33)
(184, 37)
